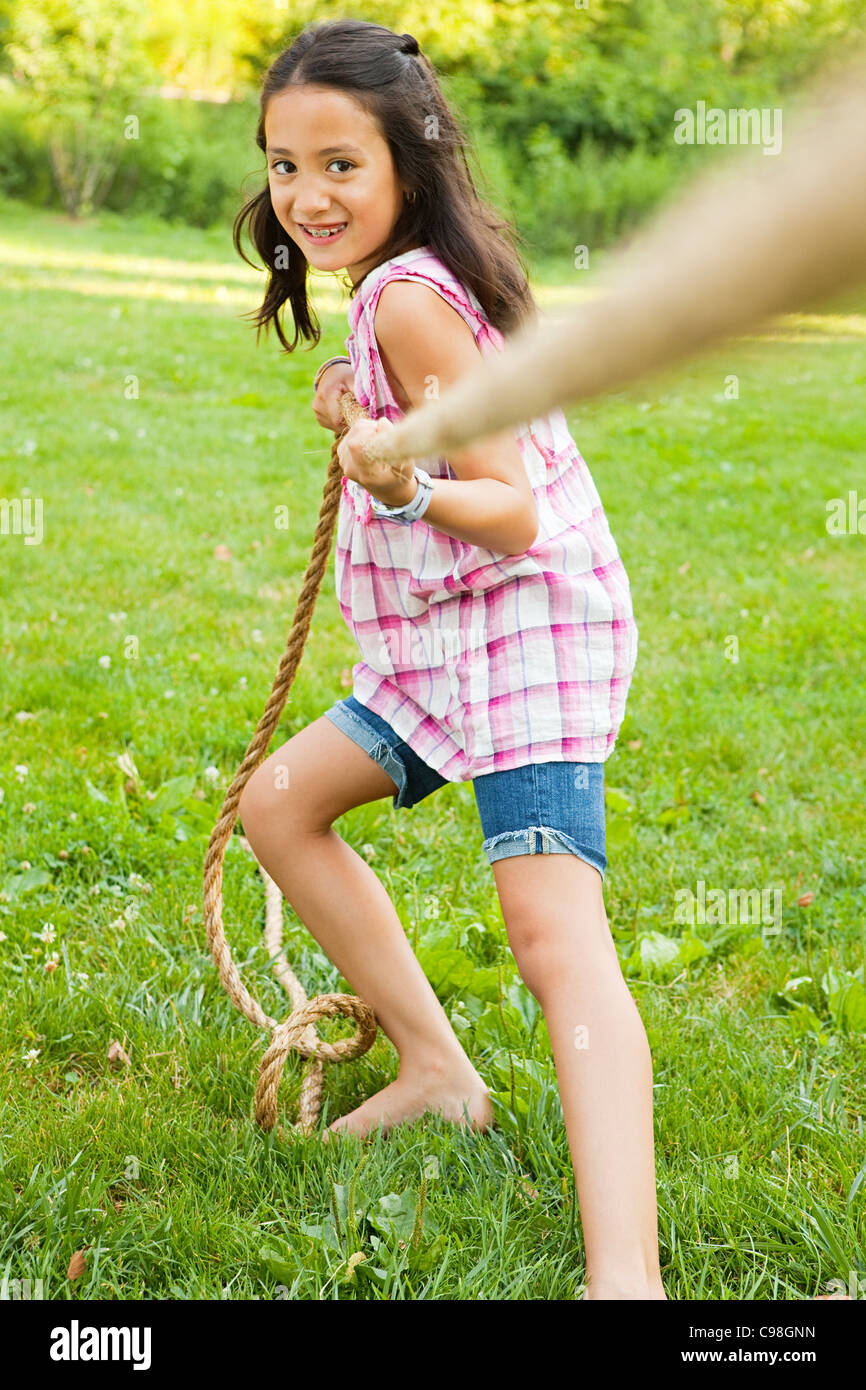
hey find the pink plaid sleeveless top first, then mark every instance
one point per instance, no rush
(481, 661)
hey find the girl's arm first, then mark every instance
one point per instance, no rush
(430, 347)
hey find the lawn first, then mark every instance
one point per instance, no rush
(139, 641)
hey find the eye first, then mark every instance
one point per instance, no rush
(348, 162)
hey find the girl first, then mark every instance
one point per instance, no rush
(491, 609)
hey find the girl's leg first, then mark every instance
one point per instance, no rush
(287, 810)
(558, 931)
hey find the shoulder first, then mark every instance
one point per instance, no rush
(406, 304)
(412, 319)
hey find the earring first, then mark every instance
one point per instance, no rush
(412, 196)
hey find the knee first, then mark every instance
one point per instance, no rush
(549, 955)
(534, 954)
(264, 803)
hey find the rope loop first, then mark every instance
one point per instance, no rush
(291, 1036)
(297, 1033)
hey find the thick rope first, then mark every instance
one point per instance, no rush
(764, 235)
(297, 1033)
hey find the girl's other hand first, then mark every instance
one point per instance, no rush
(335, 379)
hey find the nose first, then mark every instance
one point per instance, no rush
(310, 198)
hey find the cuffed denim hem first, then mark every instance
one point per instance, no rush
(540, 839)
(378, 748)
(412, 777)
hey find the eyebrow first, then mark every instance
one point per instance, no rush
(332, 149)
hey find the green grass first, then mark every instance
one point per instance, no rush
(718, 506)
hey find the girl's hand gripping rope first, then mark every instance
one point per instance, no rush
(335, 379)
(378, 478)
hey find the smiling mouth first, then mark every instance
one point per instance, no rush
(323, 233)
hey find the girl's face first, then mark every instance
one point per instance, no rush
(329, 167)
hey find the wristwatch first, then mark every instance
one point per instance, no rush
(414, 508)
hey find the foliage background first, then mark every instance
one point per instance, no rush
(570, 109)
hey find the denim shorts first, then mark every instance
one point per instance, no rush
(543, 808)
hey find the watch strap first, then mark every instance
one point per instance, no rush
(412, 510)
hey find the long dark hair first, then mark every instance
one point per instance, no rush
(398, 87)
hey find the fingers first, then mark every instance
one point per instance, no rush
(328, 413)
(350, 451)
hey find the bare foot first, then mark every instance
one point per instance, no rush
(408, 1098)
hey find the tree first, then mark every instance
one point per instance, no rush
(84, 64)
